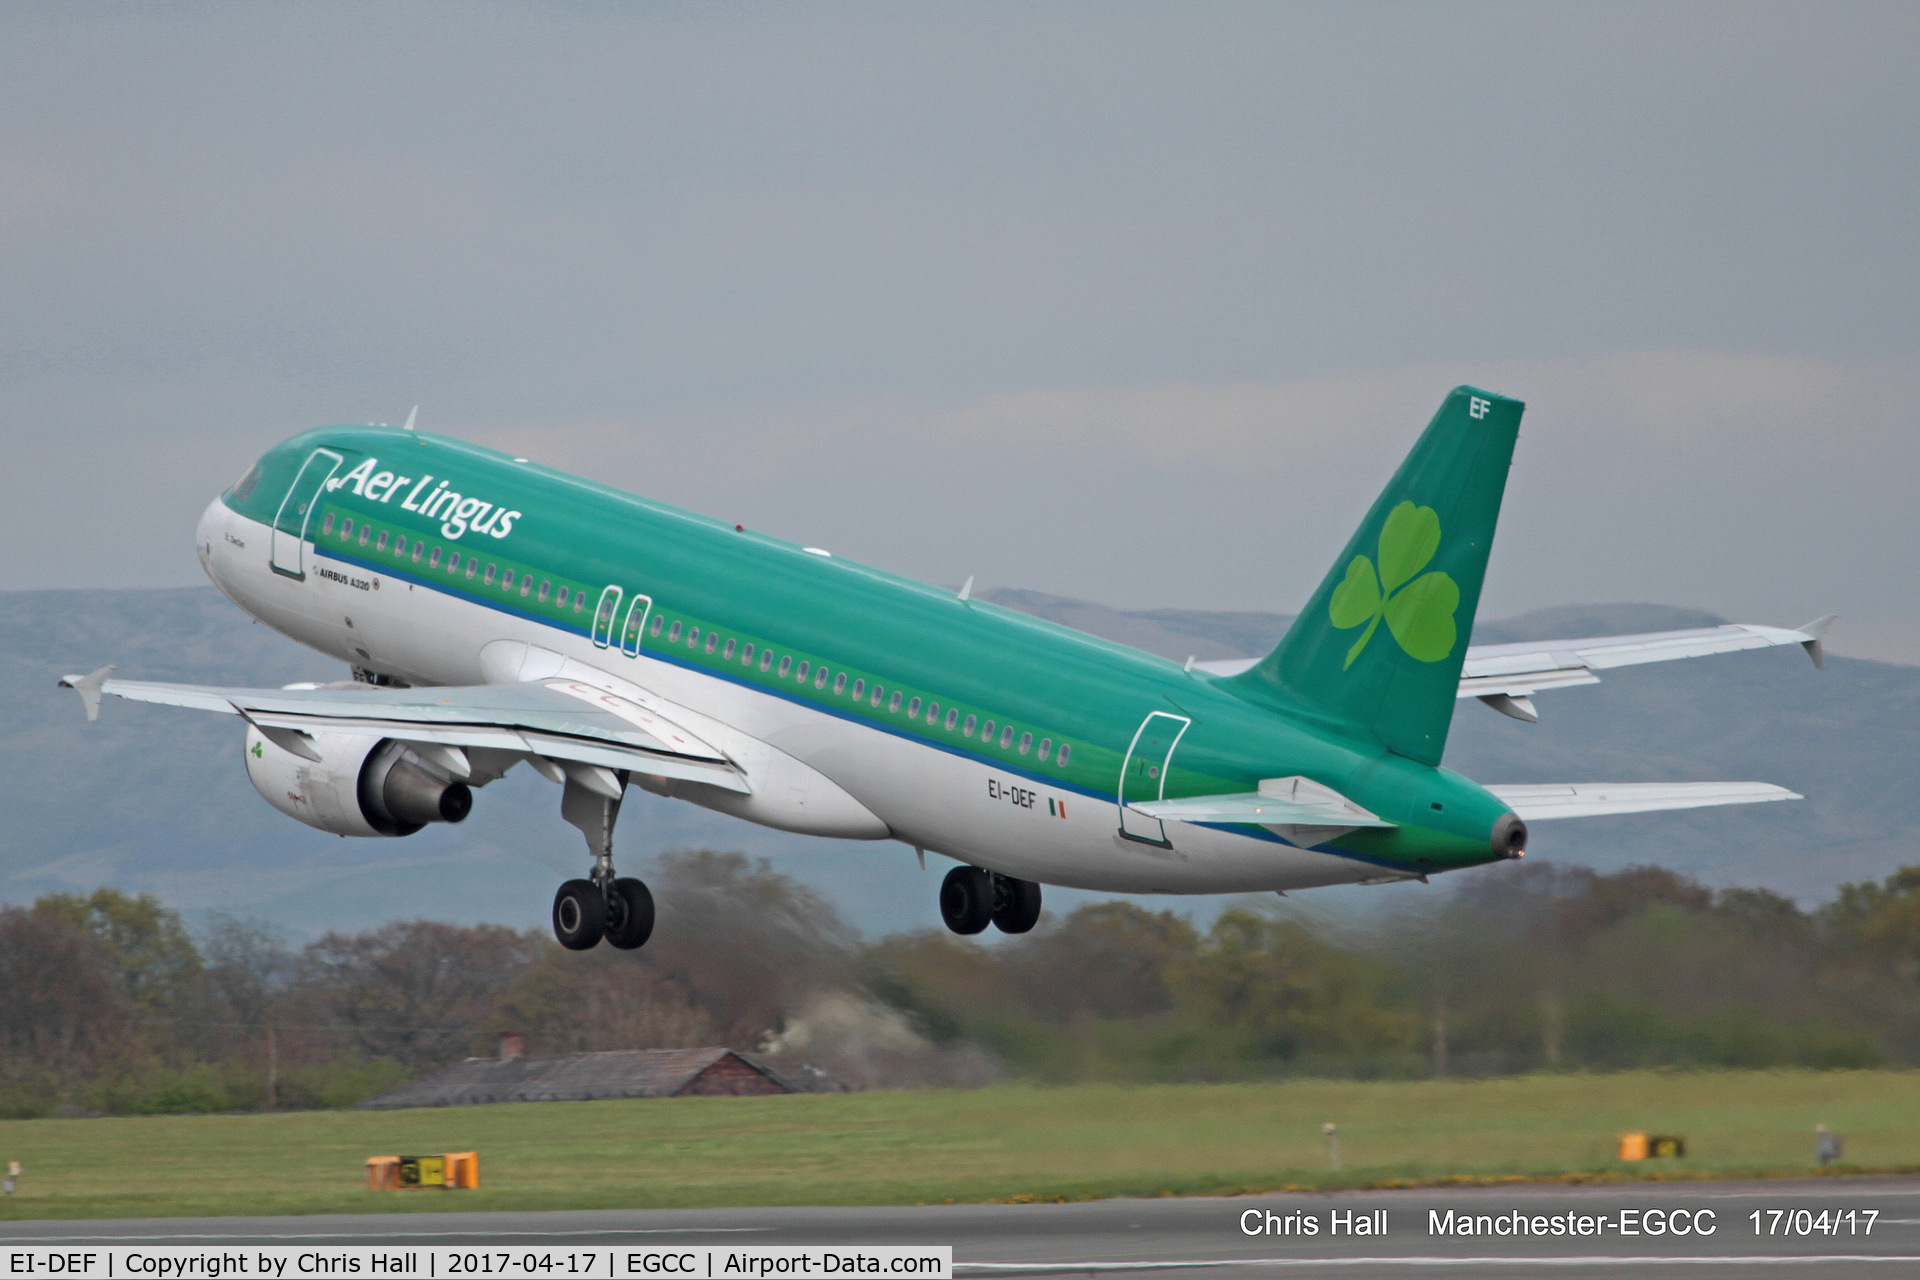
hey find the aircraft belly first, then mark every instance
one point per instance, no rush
(1021, 826)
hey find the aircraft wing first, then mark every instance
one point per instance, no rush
(1539, 802)
(551, 722)
(1506, 676)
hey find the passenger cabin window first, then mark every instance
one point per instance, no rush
(874, 698)
(968, 731)
(1046, 745)
(933, 713)
(380, 544)
(433, 561)
(840, 684)
(727, 653)
(859, 690)
(506, 579)
(473, 564)
(560, 598)
(953, 715)
(367, 529)
(1066, 749)
(913, 708)
(893, 703)
(579, 601)
(418, 547)
(453, 562)
(326, 526)
(1006, 737)
(673, 634)
(746, 656)
(658, 622)
(399, 544)
(800, 676)
(487, 578)
(786, 665)
(713, 638)
(526, 584)
(766, 659)
(545, 587)
(1026, 743)
(986, 733)
(820, 678)
(346, 529)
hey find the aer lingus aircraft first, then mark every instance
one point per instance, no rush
(495, 612)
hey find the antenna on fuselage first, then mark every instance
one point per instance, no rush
(411, 415)
(966, 590)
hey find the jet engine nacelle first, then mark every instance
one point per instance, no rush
(360, 786)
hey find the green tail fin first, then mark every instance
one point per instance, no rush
(1379, 646)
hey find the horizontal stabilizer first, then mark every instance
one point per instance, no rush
(1540, 802)
(1298, 809)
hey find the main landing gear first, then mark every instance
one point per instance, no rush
(619, 909)
(971, 898)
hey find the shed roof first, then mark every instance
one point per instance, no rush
(574, 1077)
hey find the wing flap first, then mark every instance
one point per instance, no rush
(1541, 802)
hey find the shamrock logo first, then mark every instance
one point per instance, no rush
(1419, 611)
(257, 753)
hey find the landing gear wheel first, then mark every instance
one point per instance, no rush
(629, 915)
(1016, 904)
(580, 915)
(966, 899)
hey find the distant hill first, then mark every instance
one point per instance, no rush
(154, 799)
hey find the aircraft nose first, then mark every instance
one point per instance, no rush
(211, 538)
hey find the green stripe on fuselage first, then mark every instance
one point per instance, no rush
(986, 662)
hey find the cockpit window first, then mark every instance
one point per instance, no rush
(243, 487)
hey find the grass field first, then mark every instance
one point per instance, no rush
(988, 1144)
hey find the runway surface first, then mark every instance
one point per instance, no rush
(1871, 1229)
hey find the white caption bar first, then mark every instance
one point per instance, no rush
(364, 1262)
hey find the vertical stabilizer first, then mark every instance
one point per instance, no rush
(1381, 642)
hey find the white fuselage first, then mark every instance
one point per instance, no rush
(811, 771)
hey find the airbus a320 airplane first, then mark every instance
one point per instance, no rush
(495, 612)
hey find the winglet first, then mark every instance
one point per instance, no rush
(88, 687)
(1816, 632)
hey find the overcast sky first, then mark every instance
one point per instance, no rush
(1134, 303)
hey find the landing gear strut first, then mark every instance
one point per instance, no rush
(618, 909)
(971, 898)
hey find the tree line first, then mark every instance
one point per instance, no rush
(109, 1003)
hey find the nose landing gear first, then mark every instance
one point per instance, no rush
(971, 898)
(620, 910)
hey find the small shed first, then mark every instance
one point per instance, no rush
(581, 1077)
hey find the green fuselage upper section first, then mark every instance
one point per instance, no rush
(837, 636)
